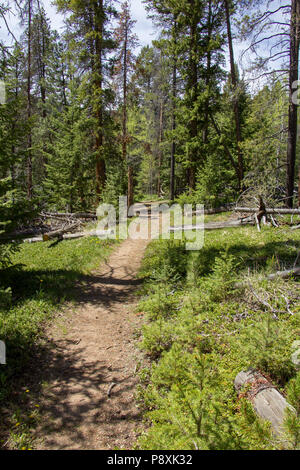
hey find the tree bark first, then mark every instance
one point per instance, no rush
(299, 187)
(160, 140)
(293, 108)
(124, 137)
(29, 106)
(43, 68)
(208, 72)
(174, 96)
(125, 38)
(130, 186)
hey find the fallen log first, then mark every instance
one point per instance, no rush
(76, 215)
(218, 210)
(214, 225)
(56, 217)
(74, 236)
(32, 240)
(17, 236)
(268, 403)
(60, 232)
(280, 211)
(285, 274)
(70, 236)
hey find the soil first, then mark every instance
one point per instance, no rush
(89, 399)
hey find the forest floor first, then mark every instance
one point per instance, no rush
(79, 389)
(71, 332)
(88, 402)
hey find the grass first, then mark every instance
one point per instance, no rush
(42, 278)
(151, 198)
(222, 217)
(209, 315)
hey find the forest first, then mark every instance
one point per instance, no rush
(205, 114)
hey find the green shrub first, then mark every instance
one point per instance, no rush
(292, 421)
(204, 326)
(267, 347)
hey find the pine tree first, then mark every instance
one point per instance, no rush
(68, 184)
(127, 42)
(14, 209)
(196, 41)
(166, 15)
(27, 9)
(92, 40)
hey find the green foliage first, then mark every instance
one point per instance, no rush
(220, 283)
(203, 326)
(164, 260)
(292, 422)
(186, 198)
(266, 155)
(68, 182)
(115, 185)
(215, 181)
(267, 347)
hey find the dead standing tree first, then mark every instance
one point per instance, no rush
(293, 107)
(277, 29)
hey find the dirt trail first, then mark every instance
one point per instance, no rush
(92, 350)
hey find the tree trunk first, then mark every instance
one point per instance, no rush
(208, 72)
(60, 232)
(100, 171)
(234, 84)
(42, 74)
(174, 96)
(130, 186)
(160, 139)
(124, 137)
(292, 123)
(29, 105)
(193, 90)
(299, 187)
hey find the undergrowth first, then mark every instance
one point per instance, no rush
(209, 315)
